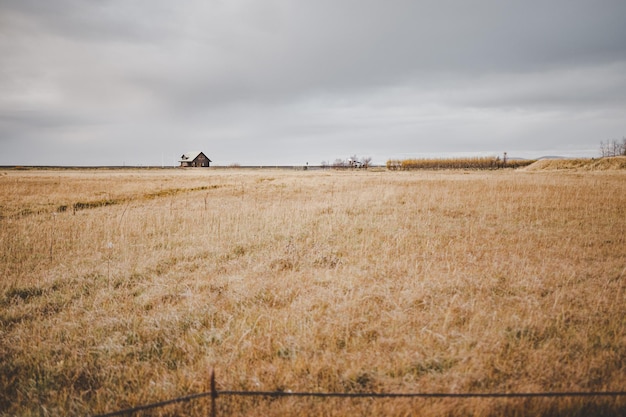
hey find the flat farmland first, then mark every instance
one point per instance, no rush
(127, 287)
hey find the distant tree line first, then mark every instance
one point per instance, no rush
(613, 148)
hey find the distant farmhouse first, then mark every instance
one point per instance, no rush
(194, 159)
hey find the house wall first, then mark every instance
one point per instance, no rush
(201, 161)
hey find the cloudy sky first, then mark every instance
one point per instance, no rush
(113, 82)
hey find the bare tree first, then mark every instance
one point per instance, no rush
(366, 161)
(353, 161)
(613, 148)
(605, 148)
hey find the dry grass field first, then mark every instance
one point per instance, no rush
(125, 287)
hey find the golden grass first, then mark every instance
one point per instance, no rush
(581, 164)
(502, 281)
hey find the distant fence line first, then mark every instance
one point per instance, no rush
(168, 167)
(214, 393)
(391, 165)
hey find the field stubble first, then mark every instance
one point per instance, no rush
(311, 281)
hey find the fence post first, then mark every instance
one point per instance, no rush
(213, 394)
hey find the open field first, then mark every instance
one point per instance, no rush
(125, 287)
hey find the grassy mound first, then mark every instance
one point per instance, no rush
(593, 164)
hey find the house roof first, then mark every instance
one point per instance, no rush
(190, 156)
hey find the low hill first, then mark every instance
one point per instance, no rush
(586, 164)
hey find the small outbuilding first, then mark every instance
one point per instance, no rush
(194, 159)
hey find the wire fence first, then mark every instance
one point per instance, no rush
(214, 394)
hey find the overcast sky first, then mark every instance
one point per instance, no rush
(114, 82)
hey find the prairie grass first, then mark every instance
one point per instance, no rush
(499, 281)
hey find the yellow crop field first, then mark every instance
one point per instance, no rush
(456, 163)
(127, 287)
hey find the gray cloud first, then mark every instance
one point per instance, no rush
(279, 81)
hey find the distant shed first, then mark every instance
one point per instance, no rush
(194, 159)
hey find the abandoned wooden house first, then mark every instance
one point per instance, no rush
(194, 159)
